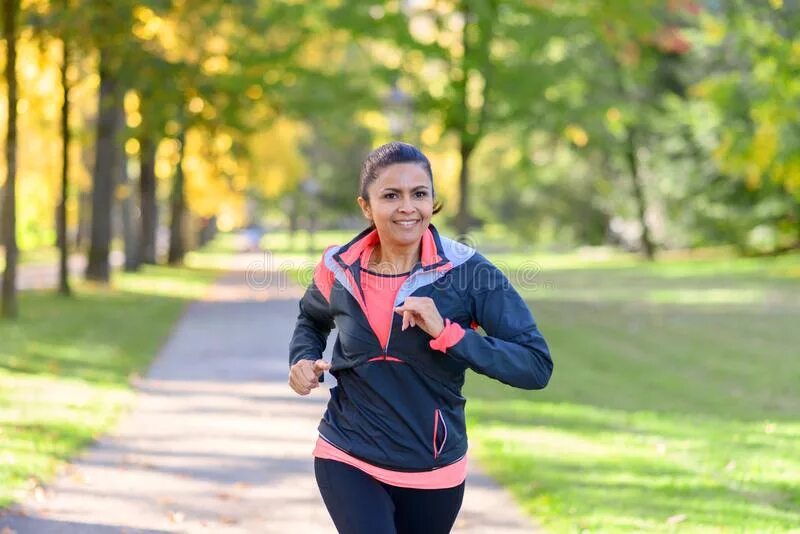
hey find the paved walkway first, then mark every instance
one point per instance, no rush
(217, 442)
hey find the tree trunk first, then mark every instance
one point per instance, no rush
(147, 201)
(127, 201)
(63, 241)
(178, 207)
(638, 193)
(463, 217)
(99, 268)
(797, 223)
(9, 291)
(84, 220)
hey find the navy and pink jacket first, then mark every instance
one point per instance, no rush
(398, 403)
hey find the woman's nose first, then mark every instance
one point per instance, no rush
(406, 205)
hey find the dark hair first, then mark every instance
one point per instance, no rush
(389, 154)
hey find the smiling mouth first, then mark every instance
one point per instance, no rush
(407, 224)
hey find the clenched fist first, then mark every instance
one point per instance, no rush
(304, 375)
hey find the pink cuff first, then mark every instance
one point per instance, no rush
(451, 335)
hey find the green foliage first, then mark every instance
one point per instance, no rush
(753, 56)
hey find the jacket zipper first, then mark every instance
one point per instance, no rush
(437, 417)
(386, 347)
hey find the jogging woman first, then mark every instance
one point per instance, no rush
(407, 301)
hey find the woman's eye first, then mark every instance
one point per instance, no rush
(418, 194)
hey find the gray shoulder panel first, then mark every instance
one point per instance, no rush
(456, 252)
(336, 269)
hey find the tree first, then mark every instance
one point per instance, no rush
(9, 226)
(177, 248)
(751, 83)
(98, 267)
(148, 201)
(126, 200)
(63, 240)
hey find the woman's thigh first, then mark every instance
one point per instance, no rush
(421, 511)
(356, 502)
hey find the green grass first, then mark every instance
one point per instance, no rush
(65, 365)
(674, 404)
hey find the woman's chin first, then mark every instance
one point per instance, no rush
(405, 235)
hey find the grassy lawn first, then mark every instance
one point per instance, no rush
(674, 404)
(65, 365)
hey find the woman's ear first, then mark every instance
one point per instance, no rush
(364, 204)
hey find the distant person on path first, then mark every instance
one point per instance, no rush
(392, 445)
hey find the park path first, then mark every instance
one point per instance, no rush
(216, 441)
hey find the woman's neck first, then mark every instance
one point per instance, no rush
(393, 260)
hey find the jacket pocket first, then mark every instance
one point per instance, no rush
(439, 433)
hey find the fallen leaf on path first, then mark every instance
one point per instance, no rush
(228, 520)
(176, 517)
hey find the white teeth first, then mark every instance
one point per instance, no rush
(406, 223)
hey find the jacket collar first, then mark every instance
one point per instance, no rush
(431, 257)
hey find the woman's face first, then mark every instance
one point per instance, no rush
(400, 203)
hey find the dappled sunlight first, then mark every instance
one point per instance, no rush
(586, 467)
(43, 421)
(181, 283)
(631, 166)
(702, 297)
(65, 366)
(673, 402)
(184, 289)
(711, 296)
(617, 263)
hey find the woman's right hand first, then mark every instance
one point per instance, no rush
(304, 375)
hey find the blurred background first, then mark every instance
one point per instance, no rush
(633, 165)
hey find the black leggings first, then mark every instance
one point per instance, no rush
(359, 504)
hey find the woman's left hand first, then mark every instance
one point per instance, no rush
(422, 312)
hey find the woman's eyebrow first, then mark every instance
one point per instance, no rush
(394, 189)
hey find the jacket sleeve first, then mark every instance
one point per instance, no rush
(514, 351)
(314, 324)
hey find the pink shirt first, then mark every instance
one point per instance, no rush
(380, 291)
(379, 294)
